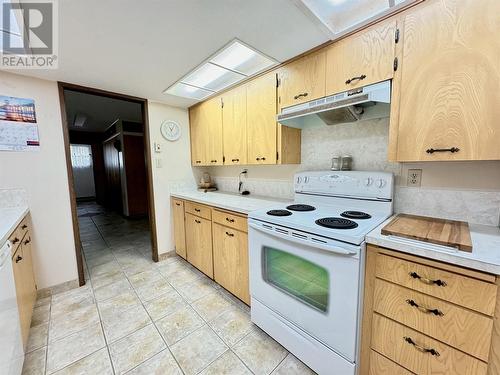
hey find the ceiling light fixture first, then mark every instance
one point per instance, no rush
(231, 64)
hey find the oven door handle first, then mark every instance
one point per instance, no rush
(326, 247)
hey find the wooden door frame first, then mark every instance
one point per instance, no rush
(148, 158)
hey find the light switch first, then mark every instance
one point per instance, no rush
(157, 147)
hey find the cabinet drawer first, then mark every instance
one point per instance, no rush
(230, 220)
(461, 328)
(198, 210)
(461, 290)
(419, 353)
(379, 365)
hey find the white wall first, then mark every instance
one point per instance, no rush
(43, 175)
(171, 168)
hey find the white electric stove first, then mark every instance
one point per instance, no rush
(307, 262)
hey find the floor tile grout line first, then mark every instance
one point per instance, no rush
(100, 317)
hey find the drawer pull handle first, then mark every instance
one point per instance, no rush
(234, 160)
(433, 150)
(229, 220)
(198, 161)
(421, 348)
(197, 221)
(197, 209)
(351, 80)
(424, 309)
(213, 161)
(19, 258)
(27, 241)
(15, 240)
(427, 281)
(230, 234)
(262, 158)
(304, 94)
(177, 204)
(24, 226)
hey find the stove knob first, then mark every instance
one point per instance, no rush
(368, 181)
(381, 183)
(306, 180)
(299, 180)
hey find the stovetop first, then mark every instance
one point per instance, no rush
(318, 221)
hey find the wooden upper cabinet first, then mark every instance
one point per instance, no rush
(206, 132)
(361, 59)
(214, 132)
(261, 119)
(450, 80)
(197, 135)
(234, 121)
(302, 80)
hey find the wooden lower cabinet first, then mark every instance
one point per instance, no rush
(446, 320)
(199, 243)
(231, 260)
(179, 227)
(216, 242)
(22, 264)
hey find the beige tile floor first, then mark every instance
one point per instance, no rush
(135, 316)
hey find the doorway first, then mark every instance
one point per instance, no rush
(106, 139)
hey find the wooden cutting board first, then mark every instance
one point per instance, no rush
(439, 231)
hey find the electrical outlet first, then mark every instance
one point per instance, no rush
(414, 177)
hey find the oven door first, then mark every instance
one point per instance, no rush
(313, 286)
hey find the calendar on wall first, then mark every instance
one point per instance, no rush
(18, 126)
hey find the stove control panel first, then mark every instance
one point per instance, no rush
(371, 185)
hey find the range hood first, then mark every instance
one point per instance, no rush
(368, 102)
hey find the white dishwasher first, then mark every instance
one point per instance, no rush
(11, 342)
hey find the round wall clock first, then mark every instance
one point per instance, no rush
(170, 130)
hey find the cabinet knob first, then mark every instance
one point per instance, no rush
(230, 234)
(235, 160)
(19, 258)
(262, 158)
(359, 78)
(197, 210)
(301, 95)
(197, 221)
(177, 204)
(213, 161)
(24, 226)
(15, 240)
(198, 161)
(27, 241)
(229, 220)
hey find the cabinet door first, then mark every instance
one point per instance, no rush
(302, 80)
(197, 135)
(199, 243)
(231, 261)
(25, 285)
(214, 132)
(450, 82)
(179, 229)
(261, 119)
(234, 123)
(364, 58)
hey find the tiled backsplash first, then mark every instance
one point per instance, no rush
(366, 142)
(13, 198)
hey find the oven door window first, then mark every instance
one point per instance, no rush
(303, 280)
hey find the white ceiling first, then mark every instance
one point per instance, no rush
(99, 112)
(141, 47)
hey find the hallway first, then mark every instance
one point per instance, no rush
(138, 317)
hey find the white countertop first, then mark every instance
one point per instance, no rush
(232, 202)
(485, 255)
(9, 220)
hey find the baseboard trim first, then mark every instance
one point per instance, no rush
(59, 288)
